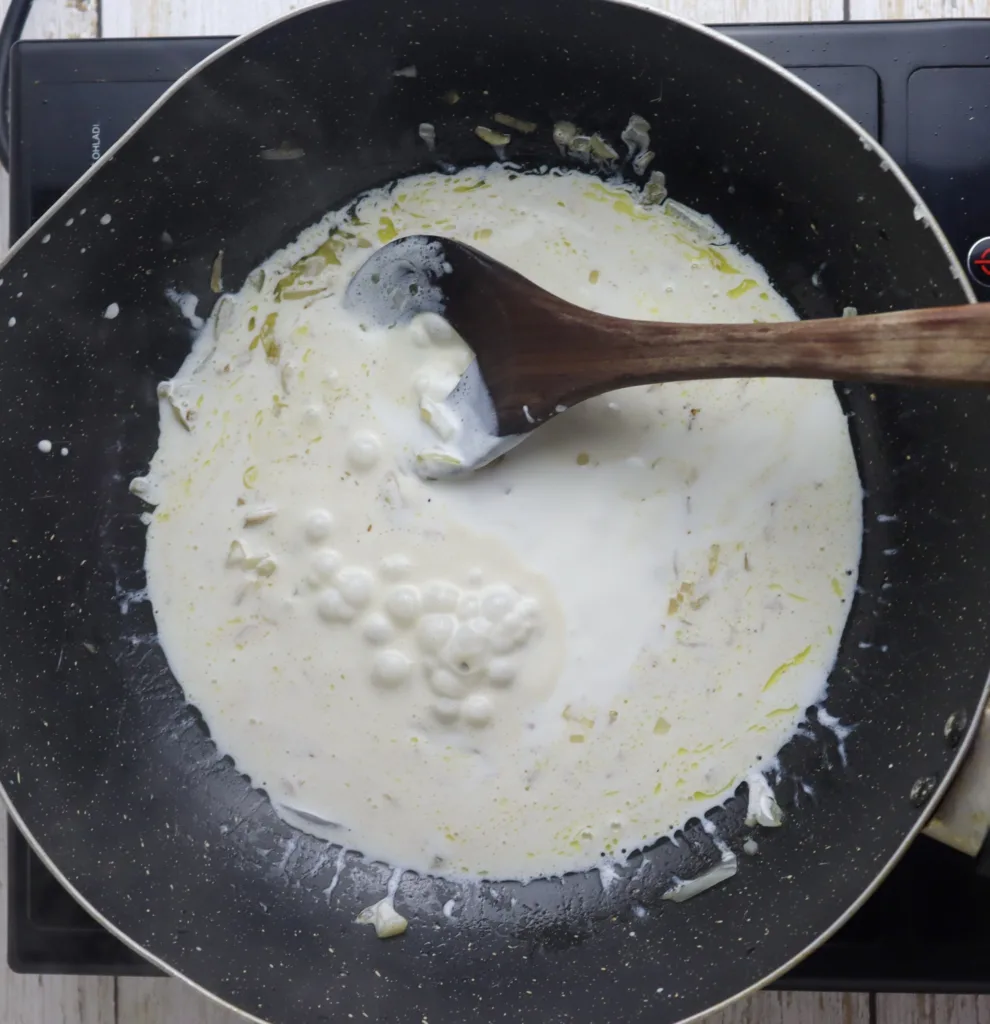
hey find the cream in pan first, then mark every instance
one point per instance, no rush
(544, 665)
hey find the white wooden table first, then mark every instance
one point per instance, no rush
(70, 1000)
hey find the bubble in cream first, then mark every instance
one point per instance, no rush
(332, 607)
(446, 710)
(395, 567)
(391, 668)
(497, 602)
(468, 647)
(324, 565)
(440, 596)
(434, 631)
(319, 523)
(445, 683)
(377, 629)
(404, 604)
(356, 585)
(501, 671)
(364, 449)
(477, 710)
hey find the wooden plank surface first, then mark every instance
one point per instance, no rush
(198, 17)
(61, 19)
(65, 999)
(50, 19)
(906, 1009)
(797, 1008)
(880, 10)
(164, 1001)
(59, 1000)
(167, 1001)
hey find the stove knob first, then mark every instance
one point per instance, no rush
(978, 262)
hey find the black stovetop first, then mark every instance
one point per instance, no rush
(923, 88)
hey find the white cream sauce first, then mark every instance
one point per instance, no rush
(536, 668)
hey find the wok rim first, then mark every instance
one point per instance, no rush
(958, 272)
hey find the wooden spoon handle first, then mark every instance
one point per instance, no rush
(945, 345)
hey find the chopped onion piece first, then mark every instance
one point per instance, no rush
(439, 417)
(636, 135)
(223, 315)
(602, 150)
(287, 372)
(387, 920)
(563, 133)
(493, 138)
(266, 566)
(181, 409)
(432, 465)
(526, 127)
(642, 161)
(285, 151)
(428, 133)
(236, 555)
(721, 872)
(259, 515)
(216, 274)
(763, 808)
(310, 818)
(655, 190)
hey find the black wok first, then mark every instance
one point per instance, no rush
(115, 778)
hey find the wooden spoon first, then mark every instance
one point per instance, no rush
(538, 354)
